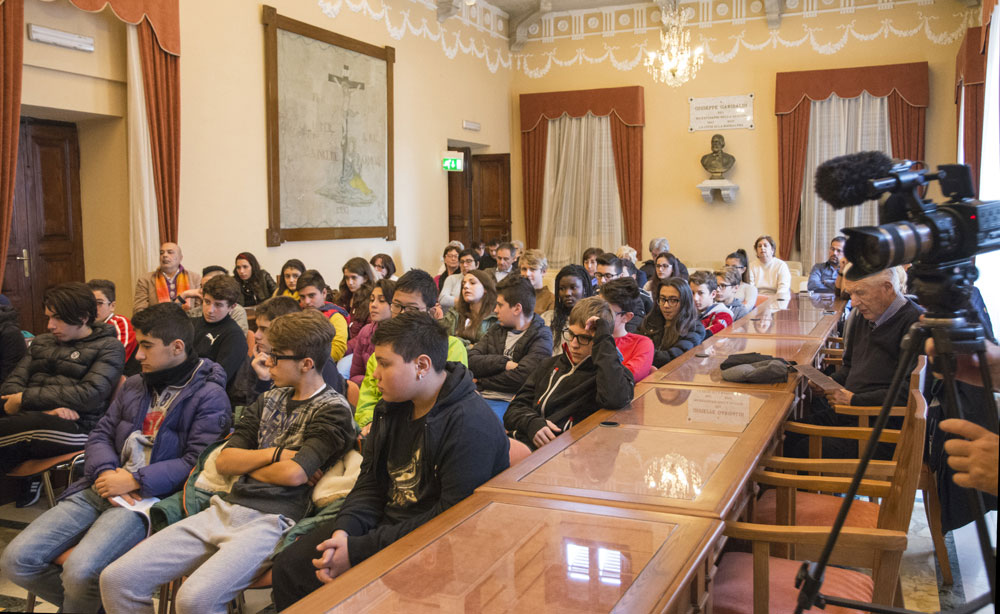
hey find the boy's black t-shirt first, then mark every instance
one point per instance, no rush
(406, 465)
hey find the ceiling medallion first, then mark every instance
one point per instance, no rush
(675, 62)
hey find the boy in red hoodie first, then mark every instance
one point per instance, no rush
(714, 316)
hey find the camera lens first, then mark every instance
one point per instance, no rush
(873, 248)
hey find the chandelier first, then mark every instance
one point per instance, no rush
(674, 63)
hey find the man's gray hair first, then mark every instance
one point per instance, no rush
(896, 276)
(659, 245)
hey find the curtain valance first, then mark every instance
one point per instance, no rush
(909, 80)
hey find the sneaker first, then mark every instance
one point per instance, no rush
(31, 490)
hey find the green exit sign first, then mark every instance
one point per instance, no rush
(452, 164)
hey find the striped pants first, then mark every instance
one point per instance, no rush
(34, 434)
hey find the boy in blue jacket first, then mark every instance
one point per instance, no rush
(433, 441)
(160, 421)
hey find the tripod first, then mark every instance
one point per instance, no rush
(945, 290)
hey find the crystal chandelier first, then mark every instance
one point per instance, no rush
(674, 63)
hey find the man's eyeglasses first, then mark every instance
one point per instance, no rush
(670, 300)
(398, 308)
(271, 359)
(569, 336)
(606, 276)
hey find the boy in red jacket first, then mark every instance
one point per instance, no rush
(714, 316)
(637, 351)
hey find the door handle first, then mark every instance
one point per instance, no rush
(26, 259)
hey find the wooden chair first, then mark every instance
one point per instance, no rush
(761, 583)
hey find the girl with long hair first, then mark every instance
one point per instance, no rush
(256, 284)
(665, 265)
(675, 327)
(383, 266)
(355, 287)
(290, 273)
(379, 309)
(473, 313)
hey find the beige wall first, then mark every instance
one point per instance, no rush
(223, 161)
(89, 90)
(672, 205)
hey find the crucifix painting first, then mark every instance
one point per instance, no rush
(332, 167)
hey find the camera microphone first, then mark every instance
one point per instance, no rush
(844, 181)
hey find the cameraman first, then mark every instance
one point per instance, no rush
(974, 455)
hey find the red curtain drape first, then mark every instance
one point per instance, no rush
(793, 138)
(11, 61)
(907, 88)
(533, 145)
(970, 79)
(162, 15)
(626, 107)
(161, 81)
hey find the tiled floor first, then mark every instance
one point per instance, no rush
(919, 571)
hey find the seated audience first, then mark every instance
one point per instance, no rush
(473, 315)
(290, 273)
(379, 310)
(383, 266)
(451, 289)
(512, 348)
(572, 284)
(312, 295)
(871, 355)
(62, 386)
(281, 442)
(769, 274)
(158, 423)
(637, 351)
(666, 266)
(216, 335)
(355, 290)
(104, 294)
(449, 259)
(415, 293)
(589, 262)
(533, 266)
(12, 345)
(166, 283)
(488, 259)
(728, 280)
(714, 315)
(195, 306)
(823, 276)
(675, 327)
(505, 262)
(256, 284)
(565, 389)
(746, 292)
(256, 379)
(433, 442)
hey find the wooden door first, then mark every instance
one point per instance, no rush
(460, 201)
(491, 197)
(46, 245)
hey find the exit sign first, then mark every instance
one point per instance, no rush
(452, 164)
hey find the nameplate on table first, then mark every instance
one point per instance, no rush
(718, 407)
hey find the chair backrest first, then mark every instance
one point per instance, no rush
(895, 510)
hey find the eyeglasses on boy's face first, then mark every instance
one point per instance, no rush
(398, 308)
(271, 359)
(667, 300)
(569, 336)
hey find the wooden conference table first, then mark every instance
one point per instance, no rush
(623, 512)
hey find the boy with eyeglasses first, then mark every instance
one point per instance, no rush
(279, 448)
(637, 350)
(415, 292)
(565, 389)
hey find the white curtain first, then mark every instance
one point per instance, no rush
(143, 222)
(839, 126)
(580, 205)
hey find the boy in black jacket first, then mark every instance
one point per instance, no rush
(587, 376)
(217, 336)
(512, 348)
(433, 442)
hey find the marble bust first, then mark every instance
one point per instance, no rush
(717, 162)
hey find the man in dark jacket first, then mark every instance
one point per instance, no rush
(433, 442)
(159, 422)
(512, 348)
(63, 386)
(12, 346)
(587, 376)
